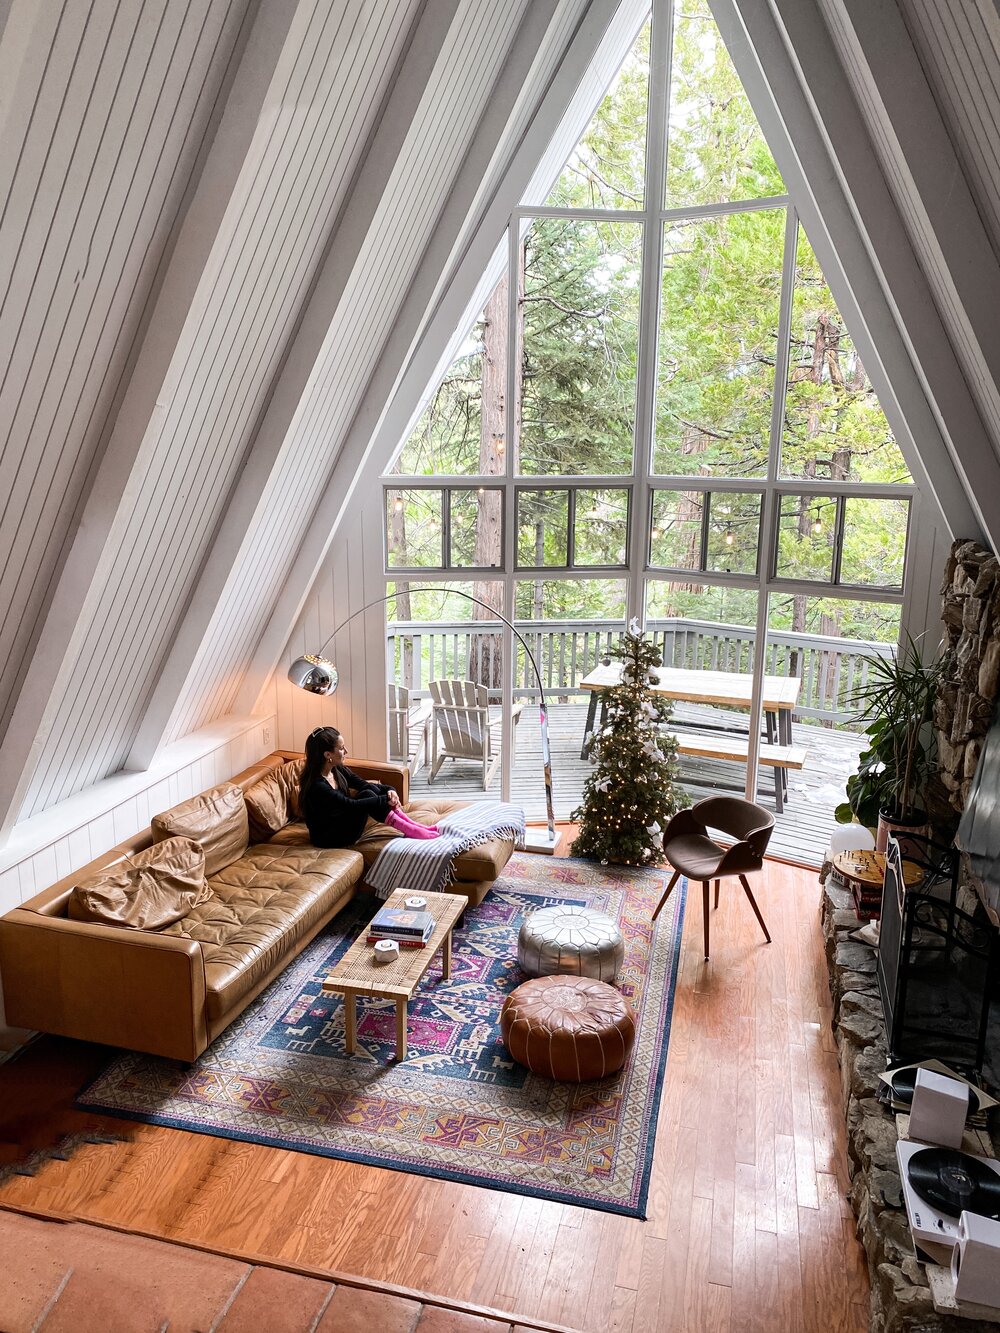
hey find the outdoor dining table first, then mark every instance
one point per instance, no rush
(729, 689)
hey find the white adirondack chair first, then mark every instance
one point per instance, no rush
(461, 726)
(404, 719)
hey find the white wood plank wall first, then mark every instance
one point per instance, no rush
(958, 42)
(434, 149)
(303, 157)
(930, 244)
(351, 577)
(105, 113)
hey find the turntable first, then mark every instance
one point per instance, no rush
(938, 1185)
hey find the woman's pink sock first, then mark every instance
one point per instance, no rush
(409, 828)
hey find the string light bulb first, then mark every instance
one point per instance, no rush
(730, 538)
(817, 524)
(398, 506)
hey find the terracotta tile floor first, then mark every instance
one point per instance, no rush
(64, 1276)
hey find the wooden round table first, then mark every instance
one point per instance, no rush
(864, 874)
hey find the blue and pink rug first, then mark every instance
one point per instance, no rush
(458, 1107)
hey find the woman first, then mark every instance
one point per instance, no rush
(336, 804)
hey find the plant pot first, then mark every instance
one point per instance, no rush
(891, 821)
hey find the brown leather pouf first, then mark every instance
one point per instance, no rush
(572, 1029)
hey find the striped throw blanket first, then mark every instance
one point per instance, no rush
(429, 866)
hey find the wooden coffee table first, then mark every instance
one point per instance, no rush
(357, 973)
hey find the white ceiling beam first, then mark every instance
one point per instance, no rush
(360, 463)
(938, 206)
(806, 108)
(346, 240)
(227, 142)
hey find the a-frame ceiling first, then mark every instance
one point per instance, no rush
(217, 219)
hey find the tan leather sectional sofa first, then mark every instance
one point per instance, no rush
(171, 991)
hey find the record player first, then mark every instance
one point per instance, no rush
(938, 1185)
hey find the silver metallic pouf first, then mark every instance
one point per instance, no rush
(570, 941)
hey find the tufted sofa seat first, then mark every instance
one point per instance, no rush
(262, 906)
(260, 893)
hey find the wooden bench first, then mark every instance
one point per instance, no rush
(729, 745)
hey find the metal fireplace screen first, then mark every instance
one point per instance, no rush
(935, 963)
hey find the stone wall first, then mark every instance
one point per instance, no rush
(967, 699)
(900, 1297)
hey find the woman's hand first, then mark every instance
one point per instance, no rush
(394, 802)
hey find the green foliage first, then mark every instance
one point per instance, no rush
(633, 790)
(716, 357)
(608, 166)
(896, 703)
(715, 147)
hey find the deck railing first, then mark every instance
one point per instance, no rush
(830, 669)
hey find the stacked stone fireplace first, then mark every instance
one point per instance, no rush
(963, 715)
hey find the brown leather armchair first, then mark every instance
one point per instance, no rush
(691, 852)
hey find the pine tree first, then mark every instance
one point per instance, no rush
(633, 790)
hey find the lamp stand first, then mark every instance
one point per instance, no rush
(316, 675)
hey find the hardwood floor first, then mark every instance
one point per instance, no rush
(748, 1225)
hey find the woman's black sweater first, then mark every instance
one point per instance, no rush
(337, 818)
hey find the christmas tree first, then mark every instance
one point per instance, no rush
(633, 790)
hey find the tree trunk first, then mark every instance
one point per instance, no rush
(486, 650)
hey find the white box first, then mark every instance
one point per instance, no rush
(939, 1108)
(975, 1260)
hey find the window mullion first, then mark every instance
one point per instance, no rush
(771, 502)
(657, 107)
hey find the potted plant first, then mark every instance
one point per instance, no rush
(896, 703)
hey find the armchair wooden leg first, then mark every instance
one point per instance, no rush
(717, 883)
(753, 903)
(667, 893)
(704, 912)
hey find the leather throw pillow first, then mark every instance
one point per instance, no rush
(147, 891)
(273, 801)
(216, 820)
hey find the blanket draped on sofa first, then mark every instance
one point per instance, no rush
(428, 866)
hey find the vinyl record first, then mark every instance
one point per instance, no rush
(953, 1182)
(904, 1082)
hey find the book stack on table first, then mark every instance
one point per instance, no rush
(410, 930)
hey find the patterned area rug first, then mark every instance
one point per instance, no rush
(458, 1107)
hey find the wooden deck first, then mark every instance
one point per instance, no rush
(802, 830)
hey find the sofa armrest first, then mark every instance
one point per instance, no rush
(135, 989)
(396, 776)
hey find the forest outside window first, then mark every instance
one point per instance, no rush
(572, 528)
(460, 527)
(714, 532)
(718, 343)
(545, 388)
(844, 540)
(579, 335)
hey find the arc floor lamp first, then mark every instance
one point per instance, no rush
(318, 675)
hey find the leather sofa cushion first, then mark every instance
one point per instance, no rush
(151, 889)
(261, 905)
(273, 801)
(216, 820)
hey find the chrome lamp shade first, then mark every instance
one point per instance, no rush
(318, 675)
